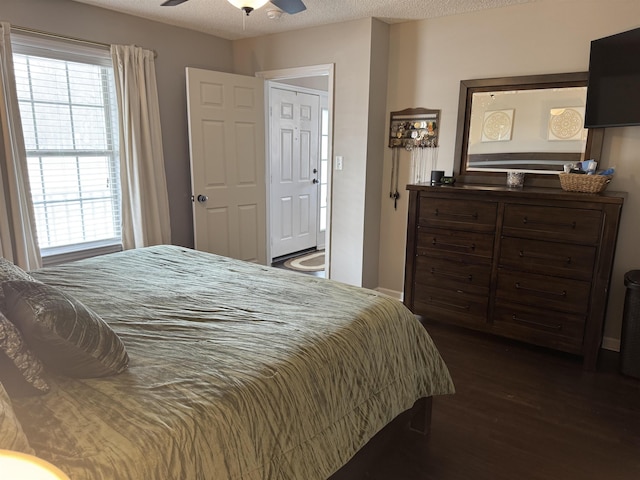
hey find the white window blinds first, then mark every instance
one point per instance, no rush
(69, 116)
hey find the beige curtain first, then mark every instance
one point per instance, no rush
(18, 240)
(145, 205)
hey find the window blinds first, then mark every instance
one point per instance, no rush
(66, 94)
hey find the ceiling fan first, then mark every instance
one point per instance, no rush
(247, 6)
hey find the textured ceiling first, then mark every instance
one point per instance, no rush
(218, 17)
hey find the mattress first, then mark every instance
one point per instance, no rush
(236, 371)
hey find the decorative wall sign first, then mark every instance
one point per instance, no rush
(567, 123)
(497, 125)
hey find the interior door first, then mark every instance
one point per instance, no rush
(294, 153)
(226, 141)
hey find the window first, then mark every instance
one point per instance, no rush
(324, 167)
(66, 94)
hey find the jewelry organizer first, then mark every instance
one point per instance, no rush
(415, 130)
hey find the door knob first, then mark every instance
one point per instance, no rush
(315, 180)
(202, 198)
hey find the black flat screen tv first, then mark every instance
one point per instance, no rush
(613, 90)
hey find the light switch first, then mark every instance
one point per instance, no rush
(339, 162)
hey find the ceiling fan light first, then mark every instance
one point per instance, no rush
(248, 4)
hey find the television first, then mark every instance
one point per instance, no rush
(613, 90)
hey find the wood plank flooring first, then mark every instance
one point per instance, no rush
(521, 413)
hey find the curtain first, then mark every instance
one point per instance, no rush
(145, 204)
(18, 239)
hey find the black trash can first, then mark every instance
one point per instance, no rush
(630, 339)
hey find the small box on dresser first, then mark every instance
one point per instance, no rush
(532, 264)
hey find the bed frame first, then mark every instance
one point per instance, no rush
(417, 420)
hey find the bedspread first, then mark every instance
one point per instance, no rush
(237, 371)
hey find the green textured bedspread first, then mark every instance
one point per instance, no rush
(237, 371)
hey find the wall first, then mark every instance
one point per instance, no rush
(348, 47)
(375, 155)
(176, 49)
(429, 58)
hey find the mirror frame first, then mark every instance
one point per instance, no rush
(593, 147)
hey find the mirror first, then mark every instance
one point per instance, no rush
(533, 124)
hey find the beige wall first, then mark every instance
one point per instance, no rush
(176, 49)
(348, 47)
(429, 58)
(375, 155)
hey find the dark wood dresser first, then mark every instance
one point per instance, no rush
(533, 264)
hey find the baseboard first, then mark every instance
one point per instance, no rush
(610, 343)
(390, 293)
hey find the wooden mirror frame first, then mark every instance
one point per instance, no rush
(593, 147)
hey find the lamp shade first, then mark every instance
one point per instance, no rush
(251, 4)
(20, 466)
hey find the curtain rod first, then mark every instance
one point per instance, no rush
(64, 37)
(59, 37)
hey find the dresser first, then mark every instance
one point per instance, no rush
(532, 264)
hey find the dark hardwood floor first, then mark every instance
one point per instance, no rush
(521, 413)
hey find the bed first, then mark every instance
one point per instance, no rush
(231, 370)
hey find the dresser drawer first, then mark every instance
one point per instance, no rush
(574, 225)
(456, 244)
(447, 274)
(540, 326)
(451, 306)
(551, 258)
(545, 291)
(457, 214)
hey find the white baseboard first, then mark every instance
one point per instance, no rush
(610, 343)
(390, 293)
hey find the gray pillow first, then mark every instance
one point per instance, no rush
(68, 337)
(21, 372)
(8, 272)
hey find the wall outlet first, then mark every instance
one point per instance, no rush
(339, 160)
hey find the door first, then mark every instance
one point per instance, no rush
(226, 140)
(294, 152)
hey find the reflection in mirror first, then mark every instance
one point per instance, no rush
(533, 124)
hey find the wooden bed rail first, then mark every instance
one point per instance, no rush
(416, 419)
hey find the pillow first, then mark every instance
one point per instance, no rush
(21, 371)
(68, 337)
(12, 436)
(9, 271)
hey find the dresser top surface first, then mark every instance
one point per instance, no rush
(524, 192)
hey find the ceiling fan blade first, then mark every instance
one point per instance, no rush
(172, 3)
(289, 6)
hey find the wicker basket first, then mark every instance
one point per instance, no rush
(577, 182)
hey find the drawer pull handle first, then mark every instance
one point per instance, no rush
(526, 221)
(555, 326)
(463, 215)
(452, 275)
(542, 292)
(435, 242)
(545, 256)
(447, 304)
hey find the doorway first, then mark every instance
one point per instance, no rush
(294, 162)
(314, 81)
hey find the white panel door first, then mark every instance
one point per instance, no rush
(294, 153)
(226, 140)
